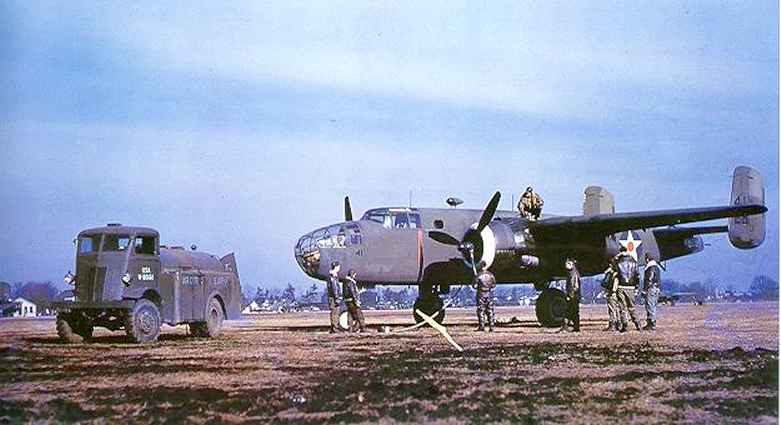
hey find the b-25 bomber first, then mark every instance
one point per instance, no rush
(436, 248)
(125, 280)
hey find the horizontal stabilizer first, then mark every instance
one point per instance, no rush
(606, 224)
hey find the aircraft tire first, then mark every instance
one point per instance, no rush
(65, 330)
(551, 308)
(143, 323)
(430, 305)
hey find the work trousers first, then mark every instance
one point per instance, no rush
(626, 302)
(333, 304)
(573, 312)
(356, 320)
(485, 308)
(651, 299)
(613, 308)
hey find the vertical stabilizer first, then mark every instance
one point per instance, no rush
(598, 201)
(747, 189)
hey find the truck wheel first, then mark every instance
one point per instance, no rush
(65, 330)
(143, 323)
(551, 307)
(212, 327)
(214, 318)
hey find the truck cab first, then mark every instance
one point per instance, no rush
(126, 280)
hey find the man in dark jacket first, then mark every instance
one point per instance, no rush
(332, 290)
(573, 296)
(352, 299)
(485, 282)
(628, 279)
(610, 286)
(651, 287)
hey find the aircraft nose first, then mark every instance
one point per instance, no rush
(307, 254)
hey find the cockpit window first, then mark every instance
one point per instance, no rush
(88, 244)
(394, 219)
(144, 245)
(116, 242)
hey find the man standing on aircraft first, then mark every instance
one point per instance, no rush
(651, 286)
(573, 296)
(628, 278)
(485, 282)
(610, 285)
(530, 204)
(332, 290)
(352, 299)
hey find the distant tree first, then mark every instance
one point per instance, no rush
(311, 296)
(764, 288)
(671, 286)
(5, 291)
(289, 294)
(40, 293)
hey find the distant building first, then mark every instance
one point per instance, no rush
(25, 308)
(252, 308)
(67, 295)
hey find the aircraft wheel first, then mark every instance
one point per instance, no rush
(429, 305)
(143, 323)
(65, 330)
(551, 308)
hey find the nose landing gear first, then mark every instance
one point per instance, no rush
(429, 303)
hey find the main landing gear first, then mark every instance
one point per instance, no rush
(551, 307)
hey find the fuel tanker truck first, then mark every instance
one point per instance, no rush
(126, 280)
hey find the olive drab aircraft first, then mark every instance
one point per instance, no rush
(436, 248)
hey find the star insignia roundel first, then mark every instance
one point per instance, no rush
(632, 243)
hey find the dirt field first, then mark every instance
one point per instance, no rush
(706, 364)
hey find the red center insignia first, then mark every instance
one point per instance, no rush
(630, 246)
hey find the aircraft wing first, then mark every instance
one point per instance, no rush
(571, 227)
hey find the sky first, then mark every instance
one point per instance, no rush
(240, 127)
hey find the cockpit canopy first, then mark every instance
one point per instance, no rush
(394, 218)
(342, 235)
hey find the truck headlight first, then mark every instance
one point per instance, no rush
(69, 278)
(126, 278)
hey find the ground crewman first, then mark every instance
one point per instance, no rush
(332, 290)
(573, 296)
(485, 282)
(530, 204)
(610, 285)
(628, 279)
(352, 299)
(651, 287)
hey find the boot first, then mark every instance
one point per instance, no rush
(637, 325)
(648, 326)
(610, 326)
(622, 329)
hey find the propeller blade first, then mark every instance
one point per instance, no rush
(443, 238)
(489, 212)
(348, 209)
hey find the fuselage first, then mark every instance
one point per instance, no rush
(392, 246)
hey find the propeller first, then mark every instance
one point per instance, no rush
(467, 247)
(348, 209)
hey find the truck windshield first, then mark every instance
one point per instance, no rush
(116, 243)
(88, 244)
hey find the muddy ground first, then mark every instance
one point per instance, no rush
(706, 364)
